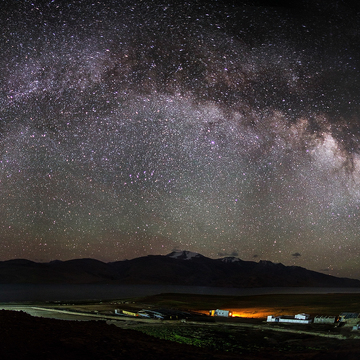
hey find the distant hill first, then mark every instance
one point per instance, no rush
(176, 268)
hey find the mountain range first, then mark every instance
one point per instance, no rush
(176, 268)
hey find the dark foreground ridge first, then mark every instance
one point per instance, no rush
(27, 337)
(178, 268)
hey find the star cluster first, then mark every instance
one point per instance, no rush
(135, 128)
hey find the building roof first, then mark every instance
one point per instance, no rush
(349, 315)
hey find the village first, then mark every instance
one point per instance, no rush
(348, 319)
(227, 323)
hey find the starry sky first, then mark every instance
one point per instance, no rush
(130, 128)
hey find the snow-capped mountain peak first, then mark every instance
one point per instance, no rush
(184, 255)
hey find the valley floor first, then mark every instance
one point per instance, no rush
(45, 332)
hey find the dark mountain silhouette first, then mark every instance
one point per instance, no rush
(177, 268)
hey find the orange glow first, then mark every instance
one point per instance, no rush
(247, 312)
(251, 314)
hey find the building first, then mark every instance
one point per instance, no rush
(349, 318)
(218, 312)
(160, 314)
(325, 319)
(302, 316)
(297, 319)
(126, 312)
(151, 314)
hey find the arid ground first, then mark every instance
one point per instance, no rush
(23, 336)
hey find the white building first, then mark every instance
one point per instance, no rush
(324, 319)
(302, 316)
(297, 319)
(218, 312)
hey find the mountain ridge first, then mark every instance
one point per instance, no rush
(177, 268)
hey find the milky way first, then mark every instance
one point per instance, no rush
(139, 128)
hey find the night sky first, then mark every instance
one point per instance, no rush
(135, 128)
